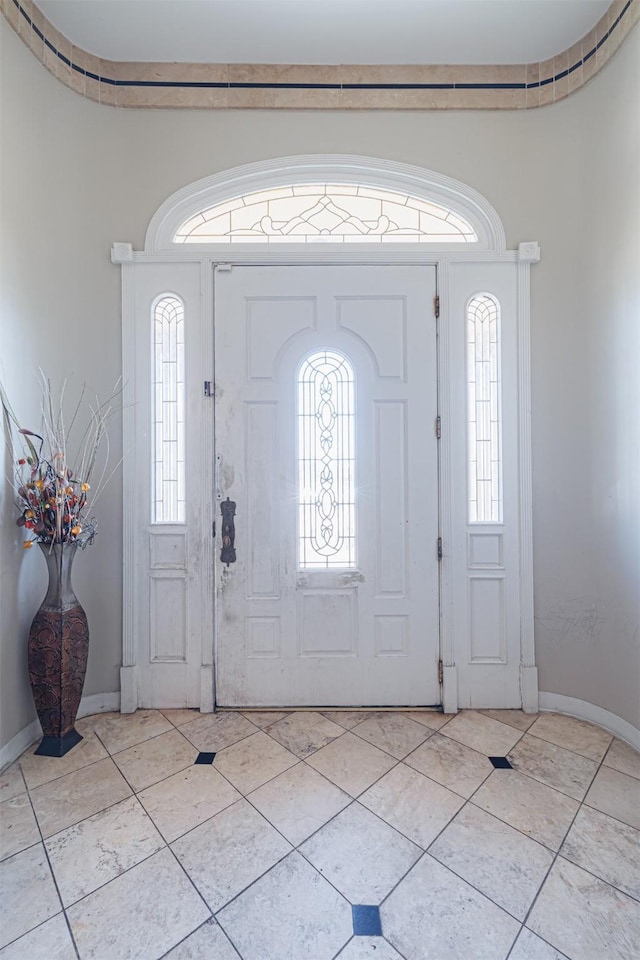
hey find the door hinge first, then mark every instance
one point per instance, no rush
(440, 672)
(439, 548)
(209, 390)
(438, 427)
(436, 306)
(213, 527)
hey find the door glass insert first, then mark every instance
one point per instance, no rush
(326, 461)
(484, 414)
(168, 467)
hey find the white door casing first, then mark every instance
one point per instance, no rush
(294, 635)
(486, 592)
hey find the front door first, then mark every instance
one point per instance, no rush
(325, 410)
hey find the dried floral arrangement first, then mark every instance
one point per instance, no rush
(54, 477)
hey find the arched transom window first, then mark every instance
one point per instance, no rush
(326, 462)
(326, 212)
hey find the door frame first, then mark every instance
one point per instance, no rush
(466, 681)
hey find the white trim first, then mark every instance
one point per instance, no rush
(525, 472)
(95, 703)
(583, 710)
(529, 688)
(490, 249)
(450, 689)
(319, 168)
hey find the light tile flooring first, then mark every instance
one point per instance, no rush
(127, 849)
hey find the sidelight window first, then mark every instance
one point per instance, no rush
(168, 438)
(484, 410)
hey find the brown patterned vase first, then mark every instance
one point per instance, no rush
(57, 653)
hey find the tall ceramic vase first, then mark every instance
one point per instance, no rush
(58, 650)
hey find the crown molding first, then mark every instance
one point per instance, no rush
(282, 86)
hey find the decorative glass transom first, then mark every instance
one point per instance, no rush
(326, 462)
(484, 410)
(329, 213)
(168, 411)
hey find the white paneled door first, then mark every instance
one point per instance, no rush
(326, 573)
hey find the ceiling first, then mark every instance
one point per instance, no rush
(325, 31)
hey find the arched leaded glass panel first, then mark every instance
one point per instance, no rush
(326, 462)
(326, 213)
(168, 411)
(484, 410)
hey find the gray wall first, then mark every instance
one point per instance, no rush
(77, 175)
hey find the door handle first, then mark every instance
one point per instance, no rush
(228, 552)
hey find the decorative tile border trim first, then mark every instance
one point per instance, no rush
(272, 86)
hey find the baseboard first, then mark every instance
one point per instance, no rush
(99, 703)
(96, 703)
(583, 710)
(18, 744)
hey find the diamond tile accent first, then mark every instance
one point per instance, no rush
(501, 763)
(205, 758)
(366, 921)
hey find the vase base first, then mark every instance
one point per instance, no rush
(58, 746)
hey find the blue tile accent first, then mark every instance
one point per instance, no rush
(501, 763)
(366, 921)
(205, 758)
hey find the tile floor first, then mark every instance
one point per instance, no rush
(308, 836)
